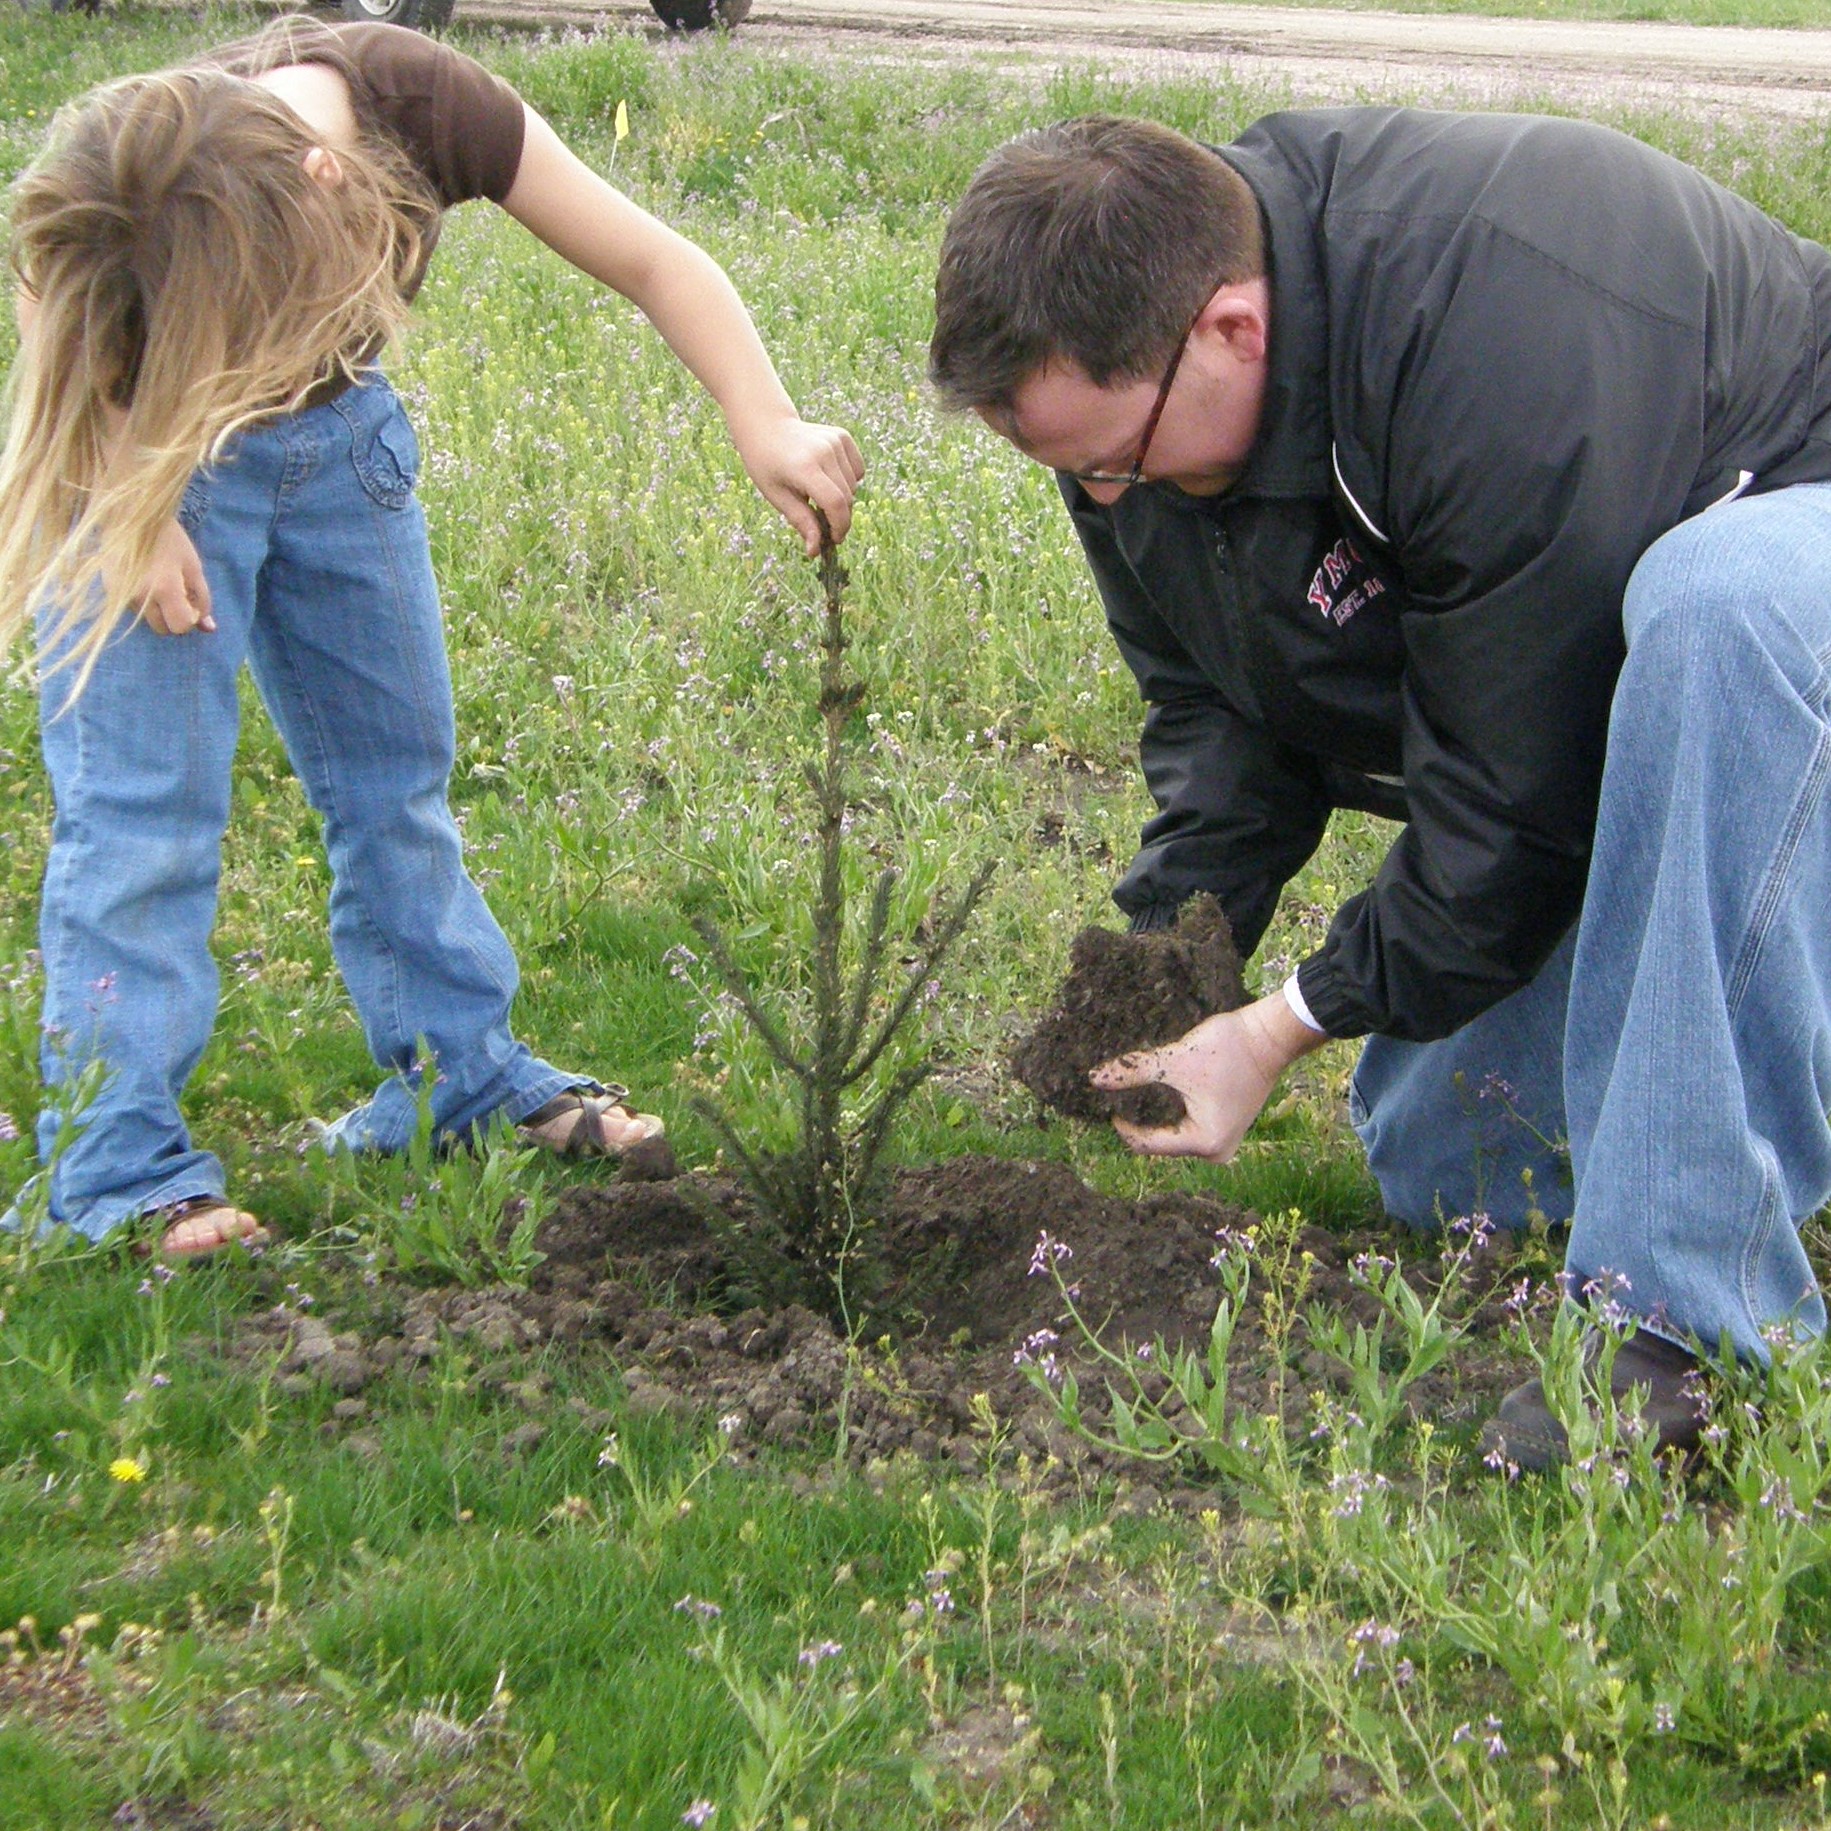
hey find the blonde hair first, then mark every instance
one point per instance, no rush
(185, 277)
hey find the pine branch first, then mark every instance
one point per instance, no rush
(776, 1195)
(871, 962)
(738, 985)
(932, 955)
(874, 1129)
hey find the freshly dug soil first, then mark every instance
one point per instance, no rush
(1124, 992)
(640, 1271)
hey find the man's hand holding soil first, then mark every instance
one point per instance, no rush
(1225, 1069)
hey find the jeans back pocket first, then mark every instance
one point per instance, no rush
(383, 448)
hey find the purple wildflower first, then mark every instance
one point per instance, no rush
(1035, 1347)
(1229, 1241)
(1605, 1285)
(1777, 1498)
(1353, 1486)
(1371, 1634)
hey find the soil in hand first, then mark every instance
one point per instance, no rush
(1124, 992)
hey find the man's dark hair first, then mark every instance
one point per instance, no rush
(1095, 240)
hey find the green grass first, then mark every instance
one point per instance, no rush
(405, 1625)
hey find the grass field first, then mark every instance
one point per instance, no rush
(234, 1611)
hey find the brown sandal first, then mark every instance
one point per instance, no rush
(572, 1124)
(201, 1225)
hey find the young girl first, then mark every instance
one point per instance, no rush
(203, 467)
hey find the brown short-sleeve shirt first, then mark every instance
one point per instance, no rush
(460, 126)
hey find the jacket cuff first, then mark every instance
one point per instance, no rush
(1331, 1008)
(1293, 998)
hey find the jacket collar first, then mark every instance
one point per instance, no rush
(1291, 456)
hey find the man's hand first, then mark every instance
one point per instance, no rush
(799, 467)
(176, 598)
(1225, 1070)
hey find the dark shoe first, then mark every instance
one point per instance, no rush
(1523, 1433)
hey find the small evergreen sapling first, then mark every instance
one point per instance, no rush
(812, 1199)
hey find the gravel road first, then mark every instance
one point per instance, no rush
(1319, 53)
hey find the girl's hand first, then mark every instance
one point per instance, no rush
(177, 595)
(795, 464)
(1225, 1070)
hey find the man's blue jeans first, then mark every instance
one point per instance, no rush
(320, 578)
(1681, 1038)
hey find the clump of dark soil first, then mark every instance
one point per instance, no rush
(1124, 992)
(648, 1160)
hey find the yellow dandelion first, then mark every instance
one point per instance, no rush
(127, 1468)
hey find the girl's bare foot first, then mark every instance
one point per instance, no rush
(204, 1225)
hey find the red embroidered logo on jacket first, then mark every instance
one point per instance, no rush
(1342, 584)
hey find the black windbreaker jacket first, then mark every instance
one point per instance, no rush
(1507, 354)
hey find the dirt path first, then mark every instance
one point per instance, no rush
(1320, 53)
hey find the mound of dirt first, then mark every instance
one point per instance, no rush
(644, 1273)
(960, 1292)
(955, 1298)
(1124, 992)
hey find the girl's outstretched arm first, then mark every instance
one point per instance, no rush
(686, 295)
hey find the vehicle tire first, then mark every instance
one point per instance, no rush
(424, 15)
(699, 15)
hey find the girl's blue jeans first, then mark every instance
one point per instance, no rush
(1680, 1038)
(320, 579)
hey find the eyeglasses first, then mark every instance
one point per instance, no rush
(1136, 473)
